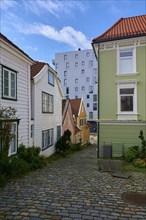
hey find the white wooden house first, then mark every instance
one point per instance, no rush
(15, 89)
(46, 111)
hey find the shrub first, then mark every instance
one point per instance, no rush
(139, 163)
(18, 167)
(132, 153)
(63, 144)
(2, 180)
(31, 156)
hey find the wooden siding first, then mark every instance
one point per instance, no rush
(45, 121)
(23, 97)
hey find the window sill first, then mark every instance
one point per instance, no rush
(127, 116)
(127, 74)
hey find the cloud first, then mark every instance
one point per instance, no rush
(66, 35)
(54, 7)
(6, 4)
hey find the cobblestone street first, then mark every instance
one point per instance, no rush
(71, 188)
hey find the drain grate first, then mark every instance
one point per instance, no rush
(134, 198)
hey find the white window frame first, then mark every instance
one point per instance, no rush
(47, 138)
(126, 49)
(47, 103)
(14, 141)
(10, 72)
(127, 115)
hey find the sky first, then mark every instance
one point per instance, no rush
(42, 28)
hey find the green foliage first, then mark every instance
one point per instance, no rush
(26, 160)
(6, 115)
(140, 163)
(63, 144)
(143, 145)
(132, 153)
(137, 155)
(17, 167)
(31, 156)
(75, 147)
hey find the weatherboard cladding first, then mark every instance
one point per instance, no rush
(124, 28)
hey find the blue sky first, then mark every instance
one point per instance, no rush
(42, 28)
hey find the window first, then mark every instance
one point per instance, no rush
(67, 90)
(90, 115)
(90, 89)
(83, 63)
(94, 106)
(9, 88)
(65, 82)
(76, 56)
(76, 80)
(67, 65)
(90, 63)
(88, 104)
(83, 71)
(57, 65)
(47, 103)
(127, 61)
(50, 78)
(76, 97)
(83, 88)
(88, 96)
(76, 64)
(65, 57)
(95, 71)
(47, 138)
(13, 143)
(94, 98)
(88, 79)
(32, 131)
(65, 73)
(87, 54)
(127, 100)
(82, 122)
(76, 89)
(58, 132)
(95, 80)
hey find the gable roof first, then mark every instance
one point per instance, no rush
(4, 38)
(36, 68)
(75, 105)
(124, 28)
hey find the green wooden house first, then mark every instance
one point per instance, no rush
(121, 55)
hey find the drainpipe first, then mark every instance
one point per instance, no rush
(98, 112)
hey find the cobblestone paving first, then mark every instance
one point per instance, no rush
(71, 188)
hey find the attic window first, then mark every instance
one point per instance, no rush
(50, 78)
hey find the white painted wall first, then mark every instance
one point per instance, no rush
(74, 72)
(45, 121)
(15, 61)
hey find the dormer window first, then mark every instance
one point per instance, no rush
(50, 78)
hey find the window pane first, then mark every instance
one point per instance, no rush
(126, 53)
(13, 144)
(94, 98)
(126, 103)
(13, 85)
(6, 83)
(126, 91)
(126, 65)
(50, 78)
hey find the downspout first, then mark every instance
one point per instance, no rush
(98, 112)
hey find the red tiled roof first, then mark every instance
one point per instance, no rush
(124, 28)
(12, 44)
(36, 67)
(75, 106)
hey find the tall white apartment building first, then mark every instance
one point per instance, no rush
(78, 73)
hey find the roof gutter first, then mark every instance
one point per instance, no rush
(118, 38)
(98, 112)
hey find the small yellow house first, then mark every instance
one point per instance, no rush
(80, 116)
